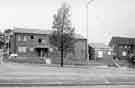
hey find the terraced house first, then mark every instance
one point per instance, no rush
(33, 43)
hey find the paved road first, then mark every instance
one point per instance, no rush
(24, 73)
(120, 86)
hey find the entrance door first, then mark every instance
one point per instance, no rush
(42, 52)
(46, 50)
(39, 52)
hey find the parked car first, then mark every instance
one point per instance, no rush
(13, 55)
(132, 58)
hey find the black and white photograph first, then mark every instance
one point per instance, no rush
(67, 43)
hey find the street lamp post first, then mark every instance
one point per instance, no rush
(87, 26)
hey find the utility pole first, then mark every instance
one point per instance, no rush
(87, 27)
(63, 17)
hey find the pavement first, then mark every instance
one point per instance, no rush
(41, 75)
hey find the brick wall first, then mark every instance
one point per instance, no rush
(76, 57)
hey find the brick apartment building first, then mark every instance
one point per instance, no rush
(34, 43)
(122, 46)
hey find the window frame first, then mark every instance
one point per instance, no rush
(124, 53)
(22, 49)
(31, 49)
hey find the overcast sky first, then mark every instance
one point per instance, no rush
(107, 18)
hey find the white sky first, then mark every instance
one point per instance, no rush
(107, 18)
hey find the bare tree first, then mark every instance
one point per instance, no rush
(63, 36)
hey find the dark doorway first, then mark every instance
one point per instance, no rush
(42, 52)
(46, 50)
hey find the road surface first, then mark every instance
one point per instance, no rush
(77, 76)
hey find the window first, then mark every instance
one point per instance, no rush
(39, 40)
(22, 49)
(24, 38)
(51, 49)
(43, 41)
(73, 52)
(109, 52)
(124, 53)
(100, 54)
(82, 51)
(19, 38)
(31, 49)
(125, 46)
(129, 46)
(121, 46)
(31, 37)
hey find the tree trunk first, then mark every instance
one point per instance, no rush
(62, 39)
(61, 57)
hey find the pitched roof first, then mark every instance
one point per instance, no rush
(79, 36)
(31, 30)
(99, 46)
(39, 31)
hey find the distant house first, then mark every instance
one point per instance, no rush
(34, 43)
(99, 51)
(1, 40)
(122, 46)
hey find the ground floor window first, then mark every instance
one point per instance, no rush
(31, 49)
(100, 54)
(50, 49)
(109, 52)
(22, 49)
(124, 53)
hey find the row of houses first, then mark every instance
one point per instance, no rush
(33, 44)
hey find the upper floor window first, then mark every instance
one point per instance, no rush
(22, 38)
(31, 37)
(43, 41)
(39, 40)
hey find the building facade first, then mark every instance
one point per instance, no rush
(100, 53)
(99, 50)
(34, 43)
(122, 47)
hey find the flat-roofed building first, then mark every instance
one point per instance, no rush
(99, 50)
(122, 46)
